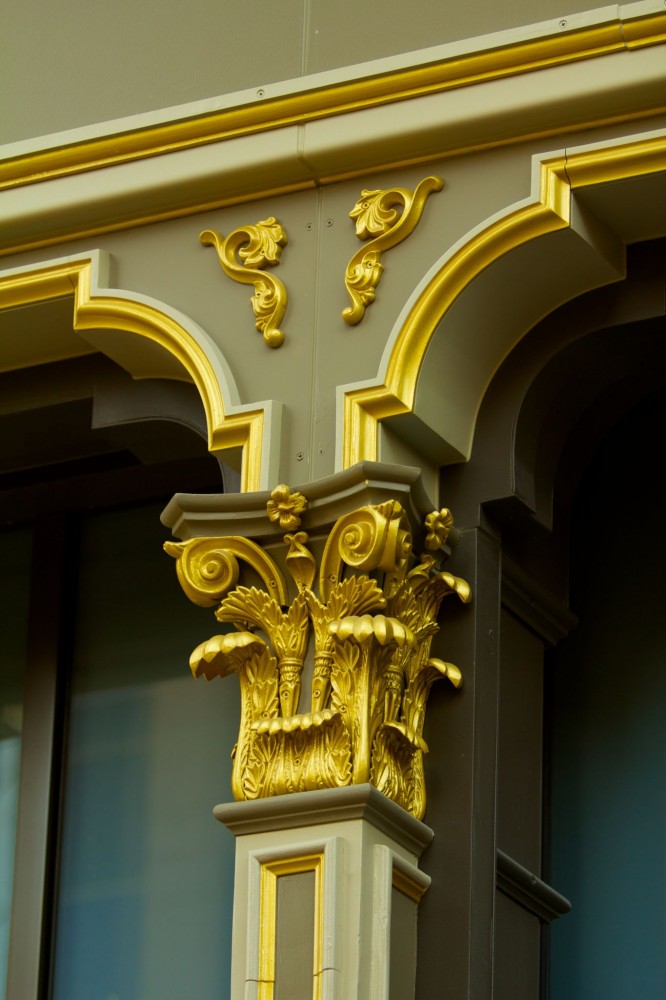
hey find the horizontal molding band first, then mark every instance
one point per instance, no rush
(551, 44)
(256, 149)
(529, 891)
(327, 805)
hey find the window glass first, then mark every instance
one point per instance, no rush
(609, 706)
(146, 874)
(15, 546)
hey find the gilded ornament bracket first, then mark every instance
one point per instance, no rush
(255, 247)
(377, 214)
(359, 640)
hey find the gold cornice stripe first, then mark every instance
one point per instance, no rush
(647, 30)
(104, 312)
(601, 166)
(335, 99)
(363, 409)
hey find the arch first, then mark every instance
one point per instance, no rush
(162, 342)
(567, 238)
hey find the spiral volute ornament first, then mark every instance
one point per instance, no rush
(206, 572)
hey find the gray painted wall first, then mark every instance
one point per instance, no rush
(68, 63)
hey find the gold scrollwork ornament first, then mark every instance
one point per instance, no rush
(379, 220)
(364, 636)
(255, 247)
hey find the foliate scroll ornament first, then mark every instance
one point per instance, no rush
(386, 218)
(243, 255)
(360, 641)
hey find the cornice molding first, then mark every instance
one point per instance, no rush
(528, 890)
(289, 126)
(327, 805)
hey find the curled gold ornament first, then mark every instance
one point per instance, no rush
(377, 215)
(205, 570)
(208, 567)
(373, 537)
(256, 247)
(371, 666)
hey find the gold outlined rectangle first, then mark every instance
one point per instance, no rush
(271, 871)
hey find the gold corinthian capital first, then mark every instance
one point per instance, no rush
(352, 628)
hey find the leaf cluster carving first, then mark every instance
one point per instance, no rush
(368, 631)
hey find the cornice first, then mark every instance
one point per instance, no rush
(304, 151)
(327, 805)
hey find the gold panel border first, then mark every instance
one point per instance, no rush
(107, 312)
(363, 409)
(336, 99)
(271, 871)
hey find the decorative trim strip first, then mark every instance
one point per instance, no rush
(271, 871)
(394, 393)
(390, 872)
(526, 889)
(325, 858)
(560, 45)
(97, 308)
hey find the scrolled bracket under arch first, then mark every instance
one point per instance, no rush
(483, 295)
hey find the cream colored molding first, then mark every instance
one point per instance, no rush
(369, 845)
(164, 344)
(347, 122)
(391, 871)
(265, 866)
(560, 183)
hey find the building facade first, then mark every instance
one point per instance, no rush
(295, 283)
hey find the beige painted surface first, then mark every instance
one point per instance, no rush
(321, 352)
(68, 63)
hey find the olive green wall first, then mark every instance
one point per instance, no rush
(69, 63)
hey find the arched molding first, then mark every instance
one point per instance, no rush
(150, 340)
(488, 290)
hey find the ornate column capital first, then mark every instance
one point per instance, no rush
(329, 601)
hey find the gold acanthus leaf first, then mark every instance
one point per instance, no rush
(223, 654)
(360, 628)
(371, 665)
(390, 216)
(255, 247)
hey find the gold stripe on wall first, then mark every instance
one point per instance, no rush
(336, 99)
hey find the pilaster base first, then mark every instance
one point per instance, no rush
(326, 895)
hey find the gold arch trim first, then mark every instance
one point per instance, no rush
(340, 98)
(365, 408)
(94, 311)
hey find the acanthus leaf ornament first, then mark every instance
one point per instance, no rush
(377, 215)
(361, 642)
(256, 247)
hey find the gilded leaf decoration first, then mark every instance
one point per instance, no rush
(366, 633)
(243, 255)
(386, 218)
